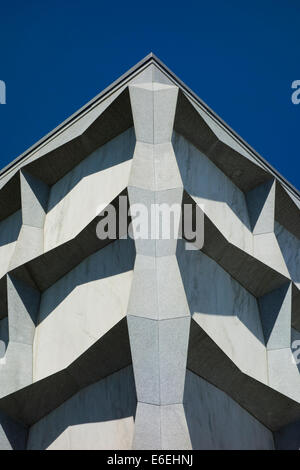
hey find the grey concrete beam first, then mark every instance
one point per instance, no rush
(34, 196)
(106, 356)
(115, 119)
(189, 123)
(13, 436)
(207, 360)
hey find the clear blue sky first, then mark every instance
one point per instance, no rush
(240, 57)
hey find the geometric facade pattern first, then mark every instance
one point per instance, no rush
(142, 344)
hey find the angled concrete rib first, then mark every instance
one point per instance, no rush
(44, 270)
(158, 315)
(10, 196)
(245, 172)
(207, 360)
(254, 275)
(106, 356)
(114, 119)
(287, 211)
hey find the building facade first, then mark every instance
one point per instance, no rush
(137, 341)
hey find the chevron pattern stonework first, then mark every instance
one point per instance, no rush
(130, 343)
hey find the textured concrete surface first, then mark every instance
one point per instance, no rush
(100, 416)
(107, 168)
(261, 207)
(159, 328)
(206, 359)
(134, 343)
(288, 438)
(9, 233)
(228, 312)
(13, 436)
(275, 309)
(29, 404)
(211, 413)
(73, 311)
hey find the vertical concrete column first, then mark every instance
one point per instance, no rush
(34, 200)
(276, 306)
(158, 314)
(16, 369)
(23, 304)
(275, 310)
(261, 207)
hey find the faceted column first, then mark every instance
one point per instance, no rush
(23, 305)
(158, 313)
(34, 199)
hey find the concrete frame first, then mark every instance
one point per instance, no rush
(186, 320)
